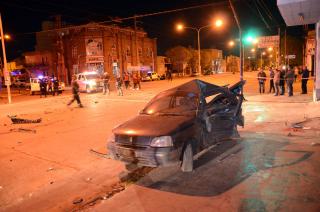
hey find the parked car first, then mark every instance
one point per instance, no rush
(151, 76)
(163, 77)
(21, 83)
(35, 86)
(89, 82)
(177, 124)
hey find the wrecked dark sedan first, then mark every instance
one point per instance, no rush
(179, 124)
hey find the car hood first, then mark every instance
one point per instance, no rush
(152, 125)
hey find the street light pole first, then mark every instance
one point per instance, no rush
(199, 53)
(5, 68)
(240, 37)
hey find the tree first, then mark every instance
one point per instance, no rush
(180, 57)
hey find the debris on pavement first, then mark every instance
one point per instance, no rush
(23, 130)
(315, 144)
(16, 120)
(50, 169)
(89, 179)
(289, 134)
(297, 126)
(77, 201)
(306, 128)
(100, 153)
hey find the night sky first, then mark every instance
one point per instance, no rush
(21, 18)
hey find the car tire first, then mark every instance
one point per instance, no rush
(187, 159)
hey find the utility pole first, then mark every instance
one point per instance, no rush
(136, 40)
(279, 46)
(240, 41)
(5, 68)
(285, 46)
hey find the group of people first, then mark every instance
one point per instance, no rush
(136, 79)
(126, 79)
(278, 78)
(48, 85)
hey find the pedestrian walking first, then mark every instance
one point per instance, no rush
(106, 84)
(282, 81)
(119, 86)
(290, 79)
(262, 79)
(304, 79)
(43, 87)
(271, 74)
(126, 80)
(55, 86)
(75, 92)
(276, 81)
(169, 75)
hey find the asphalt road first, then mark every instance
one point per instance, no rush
(49, 166)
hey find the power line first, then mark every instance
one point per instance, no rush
(261, 16)
(222, 3)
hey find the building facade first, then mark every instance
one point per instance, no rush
(99, 48)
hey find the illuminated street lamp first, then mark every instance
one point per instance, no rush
(231, 43)
(180, 27)
(218, 23)
(253, 50)
(6, 37)
(270, 49)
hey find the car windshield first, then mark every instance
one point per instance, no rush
(172, 103)
(92, 76)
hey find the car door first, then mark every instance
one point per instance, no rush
(220, 114)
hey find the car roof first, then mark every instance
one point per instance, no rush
(199, 87)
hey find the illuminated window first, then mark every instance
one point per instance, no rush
(74, 52)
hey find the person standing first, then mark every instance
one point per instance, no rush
(290, 79)
(75, 92)
(276, 81)
(55, 86)
(139, 81)
(135, 81)
(282, 81)
(106, 85)
(262, 79)
(50, 86)
(271, 73)
(126, 80)
(43, 87)
(119, 86)
(304, 80)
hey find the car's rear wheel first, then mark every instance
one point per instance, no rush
(187, 159)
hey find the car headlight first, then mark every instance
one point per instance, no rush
(162, 141)
(92, 83)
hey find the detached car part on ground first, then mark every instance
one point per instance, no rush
(177, 124)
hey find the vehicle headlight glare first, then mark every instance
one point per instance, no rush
(162, 141)
(92, 83)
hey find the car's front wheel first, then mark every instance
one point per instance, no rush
(187, 159)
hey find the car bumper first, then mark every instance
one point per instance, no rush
(144, 156)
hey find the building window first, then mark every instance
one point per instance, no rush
(128, 52)
(140, 52)
(113, 49)
(74, 52)
(148, 52)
